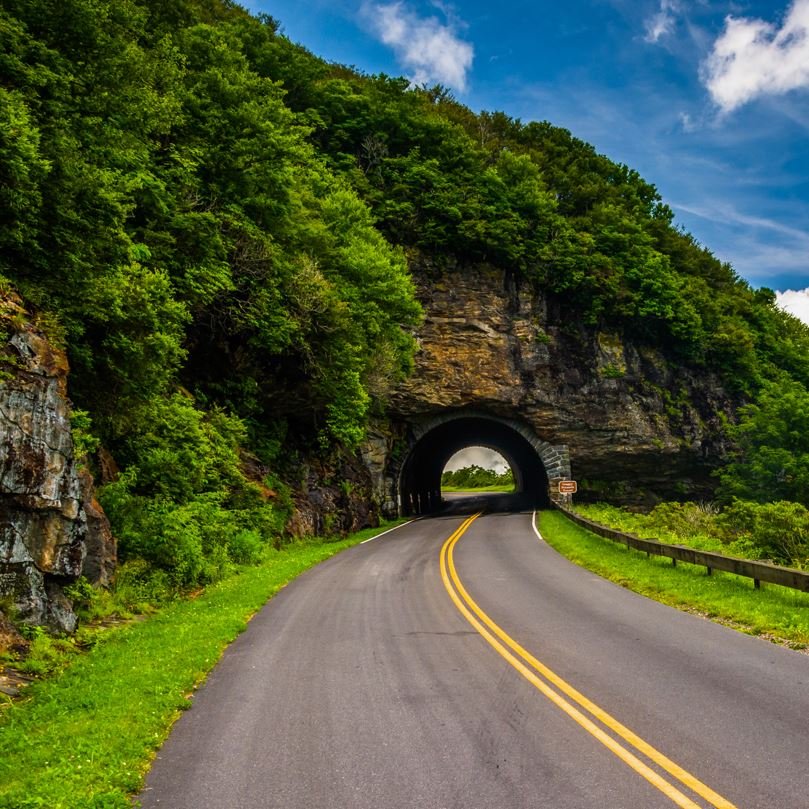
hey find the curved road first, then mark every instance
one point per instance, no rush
(485, 672)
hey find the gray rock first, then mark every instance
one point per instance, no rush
(44, 529)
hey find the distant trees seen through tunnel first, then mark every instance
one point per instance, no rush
(476, 477)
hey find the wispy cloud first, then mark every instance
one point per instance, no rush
(430, 49)
(753, 58)
(795, 301)
(763, 250)
(728, 215)
(688, 123)
(662, 23)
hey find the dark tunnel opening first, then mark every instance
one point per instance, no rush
(420, 481)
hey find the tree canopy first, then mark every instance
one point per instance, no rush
(476, 477)
(772, 455)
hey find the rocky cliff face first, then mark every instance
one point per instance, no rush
(51, 528)
(637, 426)
(332, 497)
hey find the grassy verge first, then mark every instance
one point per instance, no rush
(778, 613)
(697, 535)
(85, 737)
(503, 487)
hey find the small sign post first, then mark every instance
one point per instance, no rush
(568, 487)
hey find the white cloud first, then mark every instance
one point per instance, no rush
(754, 58)
(688, 124)
(663, 22)
(430, 49)
(477, 456)
(795, 301)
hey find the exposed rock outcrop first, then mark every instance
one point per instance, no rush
(333, 497)
(51, 528)
(637, 425)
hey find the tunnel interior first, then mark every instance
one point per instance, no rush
(420, 481)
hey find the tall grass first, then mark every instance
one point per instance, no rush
(692, 524)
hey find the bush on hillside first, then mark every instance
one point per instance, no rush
(776, 531)
(771, 461)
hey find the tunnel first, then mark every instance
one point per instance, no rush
(420, 479)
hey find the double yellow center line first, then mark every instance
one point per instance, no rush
(565, 697)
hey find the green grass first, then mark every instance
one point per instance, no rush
(85, 737)
(501, 487)
(697, 535)
(776, 612)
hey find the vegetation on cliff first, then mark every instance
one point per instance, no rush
(217, 221)
(215, 282)
(771, 461)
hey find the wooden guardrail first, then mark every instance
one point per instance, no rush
(758, 571)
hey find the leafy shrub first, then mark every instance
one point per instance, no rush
(194, 543)
(685, 519)
(246, 547)
(46, 653)
(183, 503)
(138, 585)
(778, 532)
(84, 442)
(775, 531)
(673, 522)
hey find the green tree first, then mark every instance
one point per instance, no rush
(476, 477)
(772, 459)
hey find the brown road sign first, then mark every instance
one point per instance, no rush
(568, 487)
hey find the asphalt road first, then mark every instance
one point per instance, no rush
(363, 684)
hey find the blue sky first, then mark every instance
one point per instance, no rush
(708, 100)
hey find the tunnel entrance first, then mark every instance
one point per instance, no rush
(535, 463)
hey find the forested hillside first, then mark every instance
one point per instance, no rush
(216, 225)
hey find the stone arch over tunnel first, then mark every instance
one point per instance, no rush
(537, 465)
